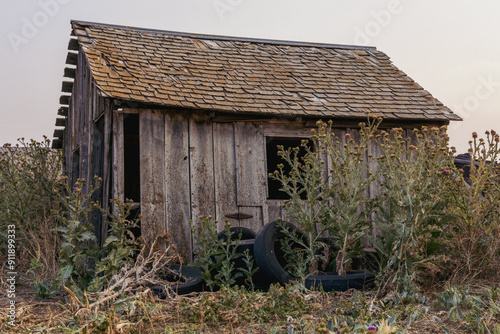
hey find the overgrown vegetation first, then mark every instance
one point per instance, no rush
(216, 256)
(412, 208)
(474, 242)
(431, 221)
(435, 229)
(30, 174)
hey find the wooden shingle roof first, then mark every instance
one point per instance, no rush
(254, 76)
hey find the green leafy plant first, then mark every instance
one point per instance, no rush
(121, 244)
(215, 257)
(46, 289)
(79, 246)
(479, 309)
(250, 269)
(297, 252)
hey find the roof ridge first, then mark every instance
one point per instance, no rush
(230, 38)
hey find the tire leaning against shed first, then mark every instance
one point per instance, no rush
(194, 284)
(268, 254)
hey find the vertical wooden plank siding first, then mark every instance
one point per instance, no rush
(84, 128)
(97, 168)
(250, 164)
(251, 175)
(275, 210)
(224, 172)
(152, 178)
(256, 222)
(201, 168)
(178, 197)
(108, 163)
(118, 157)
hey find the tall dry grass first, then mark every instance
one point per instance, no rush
(29, 180)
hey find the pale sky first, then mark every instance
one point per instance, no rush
(451, 48)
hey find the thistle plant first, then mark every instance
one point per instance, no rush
(121, 245)
(412, 208)
(330, 198)
(304, 184)
(474, 232)
(347, 217)
(79, 245)
(215, 257)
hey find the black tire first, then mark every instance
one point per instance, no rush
(246, 234)
(268, 253)
(333, 282)
(194, 284)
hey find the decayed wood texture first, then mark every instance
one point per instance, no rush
(254, 223)
(275, 210)
(224, 172)
(152, 174)
(251, 166)
(107, 165)
(118, 157)
(201, 168)
(97, 168)
(178, 197)
(251, 175)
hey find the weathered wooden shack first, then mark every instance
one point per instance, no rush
(187, 125)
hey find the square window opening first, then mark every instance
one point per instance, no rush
(273, 160)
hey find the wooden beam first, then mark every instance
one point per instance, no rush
(57, 143)
(58, 133)
(72, 58)
(63, 111)
(61, 122)
(67, 87)
(64, 100)
(69, 72)
(73, 44)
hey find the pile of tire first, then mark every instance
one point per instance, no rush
(266, 249)
(271, 261)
